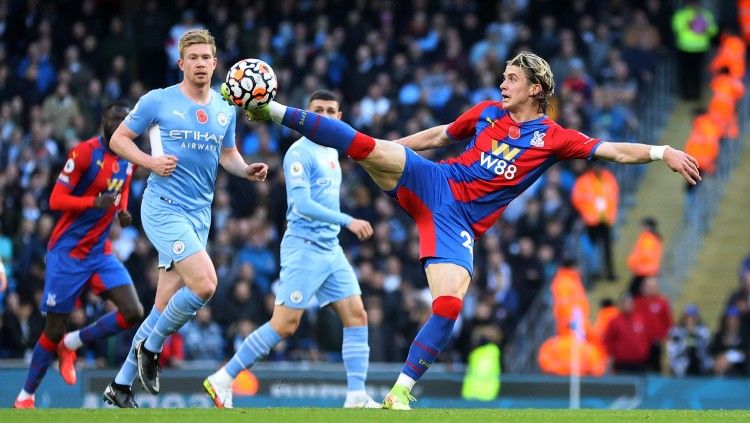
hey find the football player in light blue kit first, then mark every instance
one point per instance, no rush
(312, 264)
(192, 131)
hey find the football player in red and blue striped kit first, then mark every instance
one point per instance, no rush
(453, 202)
(90, 192)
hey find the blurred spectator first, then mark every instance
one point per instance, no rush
(595, 196)
(22, 325)
(627, 340)
(645, 257)
(729, 347)
(203, 337)
(687, 345)
(694, 27)
(657, 312)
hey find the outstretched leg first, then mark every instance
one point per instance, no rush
(383, 160)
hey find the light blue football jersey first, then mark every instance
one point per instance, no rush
(194, 133)
(307, 164)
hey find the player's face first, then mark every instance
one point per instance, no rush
(516, 89)
(328, 108)
(198, 63)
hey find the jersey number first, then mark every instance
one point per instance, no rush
(468, 241)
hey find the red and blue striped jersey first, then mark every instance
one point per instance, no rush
(90, 170)
(504, 158)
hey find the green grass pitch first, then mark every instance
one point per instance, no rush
(304, 415)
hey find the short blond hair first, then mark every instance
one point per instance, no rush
(197, 36)
(537, 71)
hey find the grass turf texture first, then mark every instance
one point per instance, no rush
(303, 415)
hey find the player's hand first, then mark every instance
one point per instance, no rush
(361, 228)
(256, 172)
(125, 218)
(682, 163)
(163, 165)
(104, 201)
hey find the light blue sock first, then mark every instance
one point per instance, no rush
(181, 308)
(356, 353)
(129, 368)
(256, 346)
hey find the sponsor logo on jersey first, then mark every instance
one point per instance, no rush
(201, 115)
(178, 247)
(537, 140)
(51, 300)
(187, 134)
(501, 148)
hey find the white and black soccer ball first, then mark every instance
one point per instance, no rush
(252, 83)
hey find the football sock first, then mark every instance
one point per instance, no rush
(45, 351)
(433, 336)
(356, 354)
(129, 368)
(105, 326)
(324, 130)
(181, 308)
(257, 345)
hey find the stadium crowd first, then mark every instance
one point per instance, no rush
(399, 67)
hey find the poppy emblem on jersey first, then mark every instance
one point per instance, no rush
(514, 132)
(178, 247)
(201, 115)
(222, 119)
(69, 166)
(296, 296)
(115, 167)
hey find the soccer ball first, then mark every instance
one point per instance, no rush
(251, 83)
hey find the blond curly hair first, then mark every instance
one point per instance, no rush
(537, 71)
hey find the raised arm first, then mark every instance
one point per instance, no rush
(634, 153)
(428, 139)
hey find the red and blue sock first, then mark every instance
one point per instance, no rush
(45, 351)
(433, 336)
(329, 132)
(105, 326)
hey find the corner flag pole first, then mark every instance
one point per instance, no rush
(575, 358)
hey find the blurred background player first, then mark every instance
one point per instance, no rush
(312, 264)
(91, 190)
(189, 123)
(455, 201)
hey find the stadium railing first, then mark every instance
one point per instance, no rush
(701, 208)
(652, 112)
